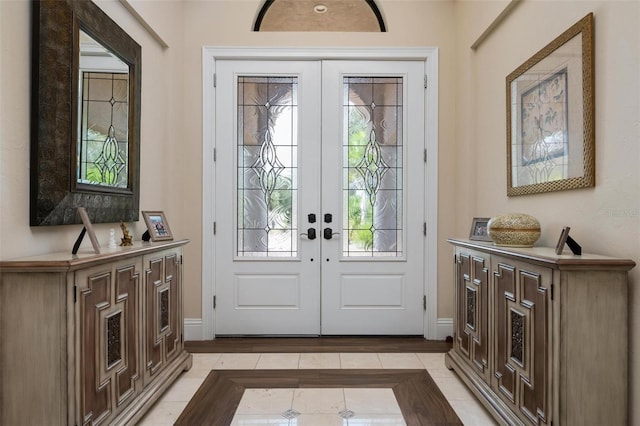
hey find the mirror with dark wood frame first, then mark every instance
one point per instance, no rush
(85, 122)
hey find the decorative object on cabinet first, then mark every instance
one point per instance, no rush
(112, 238)
(96, 139)
(542, 339)
(514, 230)
(88, 229)
(479, 229)
(157, 225)
(550, 116)
(566, 239)
(92, 338)
(126, 239)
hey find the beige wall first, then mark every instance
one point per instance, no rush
(604, 219)
(472, 167)
(409, 23)
(161, 163)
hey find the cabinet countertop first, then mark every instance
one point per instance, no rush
(65, 261)
(547, 256)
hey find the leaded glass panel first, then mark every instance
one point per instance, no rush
(373, 166)
(267, 171)
(103, 151)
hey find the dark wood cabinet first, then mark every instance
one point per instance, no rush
(163, 302)
(108, 323)
(521, 330)
(541, 338)
(90, 339)
(472, 313)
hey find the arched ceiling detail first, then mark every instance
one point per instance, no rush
(320, 15)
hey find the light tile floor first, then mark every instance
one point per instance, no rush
(317, 407)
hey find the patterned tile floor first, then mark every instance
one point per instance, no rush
(317, 407)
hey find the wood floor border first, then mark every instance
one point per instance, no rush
(419, 398)
(387, 344)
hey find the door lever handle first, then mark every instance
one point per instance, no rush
(310, 234)
(328, 233)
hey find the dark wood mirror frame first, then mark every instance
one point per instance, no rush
(55, 195)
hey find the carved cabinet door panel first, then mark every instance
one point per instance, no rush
(472, 298)
(163, 309)
(108, 320)
(522, 328)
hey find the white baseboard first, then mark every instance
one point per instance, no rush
(444, 328)
(193, 328)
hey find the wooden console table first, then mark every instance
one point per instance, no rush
(540, 338)
(90, 339)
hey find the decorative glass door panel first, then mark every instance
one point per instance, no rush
(372, 162)
(267, 188)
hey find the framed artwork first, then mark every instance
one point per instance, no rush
(550, 116)
(562, 240)
(544, 120)
(479, 229)
(88, 228)
(157, 225)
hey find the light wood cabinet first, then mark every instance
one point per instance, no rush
(90, 339)
(541, 338)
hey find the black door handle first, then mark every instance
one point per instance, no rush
(310, 234)
(328, 233)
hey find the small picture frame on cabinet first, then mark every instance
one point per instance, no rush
(88, 228)
(157, 225)
(562, 240)
(479, 229)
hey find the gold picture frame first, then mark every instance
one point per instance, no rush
(550, 116)
(157, 225)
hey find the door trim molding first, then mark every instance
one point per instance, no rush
(427, 54)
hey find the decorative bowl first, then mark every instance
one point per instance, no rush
(514, 230)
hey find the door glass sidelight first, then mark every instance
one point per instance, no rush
(373, 167)
(267, 179)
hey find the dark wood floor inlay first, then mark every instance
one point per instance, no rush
(419, 398)
(317, 344)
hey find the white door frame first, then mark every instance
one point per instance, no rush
(427, 54)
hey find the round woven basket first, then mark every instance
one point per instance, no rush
(514, 230)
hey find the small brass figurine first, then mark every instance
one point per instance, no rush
(126, 239)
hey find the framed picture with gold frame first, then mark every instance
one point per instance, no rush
(157, 225)
(550, 116)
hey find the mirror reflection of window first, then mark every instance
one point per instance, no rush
(103, 140)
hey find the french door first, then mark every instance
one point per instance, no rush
(319, 197)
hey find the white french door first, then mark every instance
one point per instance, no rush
(318, 197)
(373, 184)
(267, 169)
